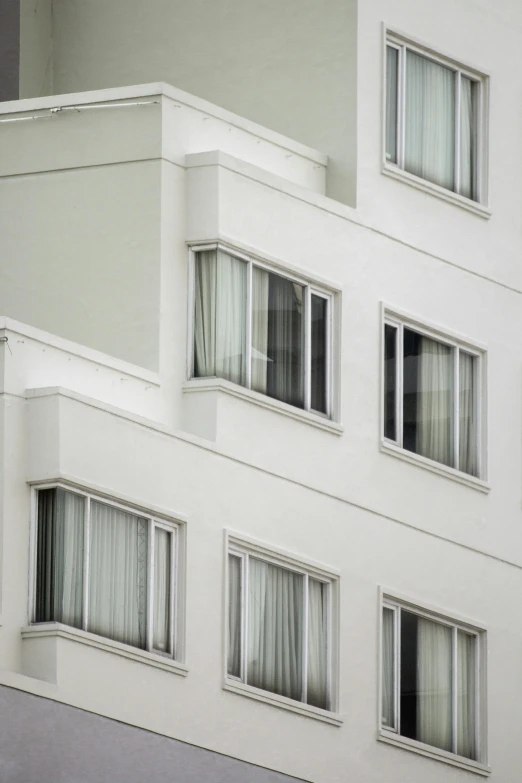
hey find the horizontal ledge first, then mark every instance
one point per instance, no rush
(205, 385)
(274, 699)
(433, 753)
(435, 467)
(58, 630)
(435, 190)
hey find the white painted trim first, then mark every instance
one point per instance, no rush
(152, 90)
(79, 350)
(420, 606)
(392, 170)
(276, 700)
(57, 630)
(435, 467)
(205, 385)
(391, 738)
(431, 329)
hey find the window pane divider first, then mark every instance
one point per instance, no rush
(397, 668)
(456, 400)
(304, 656)
(245, 563)
(249, 317)
(401, 107)
(86, 562)
(454, 700)
(458, 92)
(399, 385)
(173, 597)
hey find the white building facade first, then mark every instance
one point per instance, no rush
(261, 433)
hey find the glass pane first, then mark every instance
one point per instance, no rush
(428, 397)
(430, 120)
(220, 316)
(468, 457)
(466, 705)
(59, 567)
(118, 575)
(426, 676)
(390, 381)
(275, 629)
(234, 616)
(162, 596)
(318, 373)
(277, 337)
(392, 67)
(468, 137)
(388, 669)
(317, 688)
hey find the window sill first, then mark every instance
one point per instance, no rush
(283, 702)
(393, 171)
(57, 630)
(434, 753)
(227, 387)
(435, 467)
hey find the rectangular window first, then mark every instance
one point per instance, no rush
(432, 397)
(430, 680)
(262, 330)
(105, 569)
(279, 628)
(433, 118)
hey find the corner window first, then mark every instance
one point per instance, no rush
(432, 396)
(261, 329)
(434, 119)
(279, 628)
(106, 569)
(431, 679)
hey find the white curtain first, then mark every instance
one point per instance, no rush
(392, 58)
(466, 667)
(467, 414)
(434, 684)
(260, 283)
(468, 138)
(275, 629)
(388, 679)
(59, 574)
(234, 616)
(161, 599)
(435, 401)
(317, 689)
(220, 316)
(118, 575)
(430, 120)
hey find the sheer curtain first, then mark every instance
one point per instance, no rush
(220, 316)
(435, 401)
(234, 616)
(430, 120)
(434, 684)
(118, 575)
(468, 138)
(275, 629)
(59, 569)
(467, 414)
(260, 360)
(388, 679)
(466, 667)
(162, 566)
(317, 689)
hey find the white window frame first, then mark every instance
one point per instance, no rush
(154, 521)
(402, 43)
(311, 287)
(401, 321)
(244, 548)
(396, 603)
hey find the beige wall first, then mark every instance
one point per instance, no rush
(36, 34)
(290, 66)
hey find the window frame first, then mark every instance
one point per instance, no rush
(397, 602)
(402, 43)
(173, 526)
(311, 287)
(244, 548)
(400, 321)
